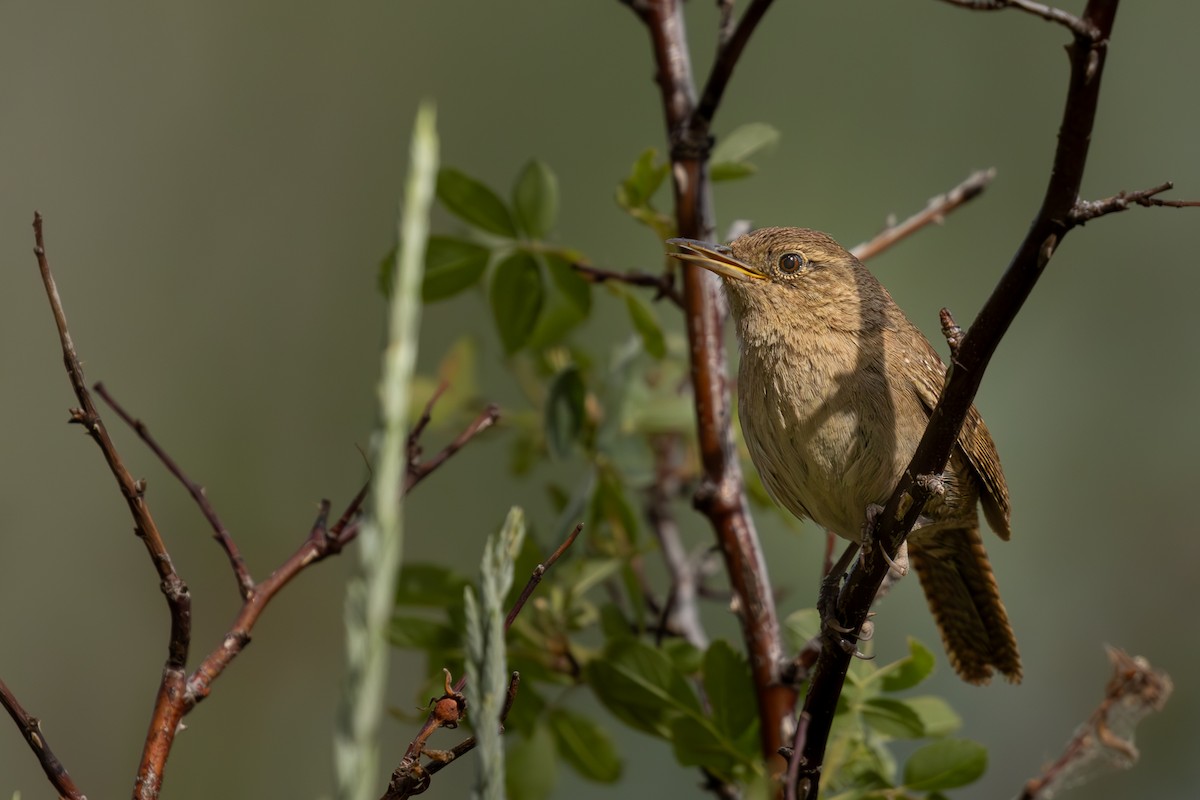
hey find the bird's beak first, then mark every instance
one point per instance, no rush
(715, 257)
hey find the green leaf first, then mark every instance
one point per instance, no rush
(516, 298)
(646, 324)
(535, 199)
(564, 411)
(698, 744)
(640, 686)
(419, 633)
(730, 171)
(892, 718)
(574, 289)
(730, 691)
(744, 141)
(451, 265)
(474, 202)
(585, 746)
(644, 179)
(909, 671)
(532, 766)
(429, 585)
(687, 658)
(801, 626)
(611, 507)
(937, 717)
(945, 764)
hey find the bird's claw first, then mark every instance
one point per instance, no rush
(868, 540)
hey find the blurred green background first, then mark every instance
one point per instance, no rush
(220, 180)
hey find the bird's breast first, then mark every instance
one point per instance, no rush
(825, 427)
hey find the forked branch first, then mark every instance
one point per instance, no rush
(1059, 213)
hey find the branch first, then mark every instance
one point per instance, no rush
(664, 283)
(220, 532)
(1081, 27)
(935, 211)
(31, 728)
(418, 472)
(179, 692)
(1052, 222)
(680, 612)
(1087, 210)
(409, 777)
(167, 713)
(1106, 739)
(722, 495)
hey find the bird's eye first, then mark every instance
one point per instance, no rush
(790, 263)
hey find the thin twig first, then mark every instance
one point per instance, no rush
(410, 777)
(680, 611)
(1087, 210)
(220, 532)
(31, 728)
(538, 572)
(419, 472)
(1105, 741)
(167, 712)
(935, 211)
(1078, 26)
(664, 283)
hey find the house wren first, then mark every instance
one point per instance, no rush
(834, 391)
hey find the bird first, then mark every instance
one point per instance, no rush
(835, 389)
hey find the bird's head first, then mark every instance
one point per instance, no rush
(782, 276)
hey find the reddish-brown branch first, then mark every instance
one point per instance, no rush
(418, 472)
(536, 577)
(935, 211)
(721, 496)
(664, 283)
(178, 693)
(1052, 222)
(31, 728)
(220, 532)
(165, 718)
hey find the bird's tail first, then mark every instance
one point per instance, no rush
(963, 596)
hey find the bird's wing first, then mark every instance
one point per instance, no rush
(974, 441)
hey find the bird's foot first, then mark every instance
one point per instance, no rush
(899, 566)
(831, 585)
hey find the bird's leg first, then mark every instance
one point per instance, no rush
(868, 538)
(827, 599)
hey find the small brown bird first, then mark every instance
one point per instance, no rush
(834, 391)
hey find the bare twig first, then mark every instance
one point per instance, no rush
(1077, 25)
(31, 728)
(167, 713)
(1087, 210)
(951, 331)
(935, 211)
(664, 283)
(419, 472)
(1052, 222)
(409, 777)
(178, 692)
(538, 572)
(220, 532)
(1105, 741)
(680, 611)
